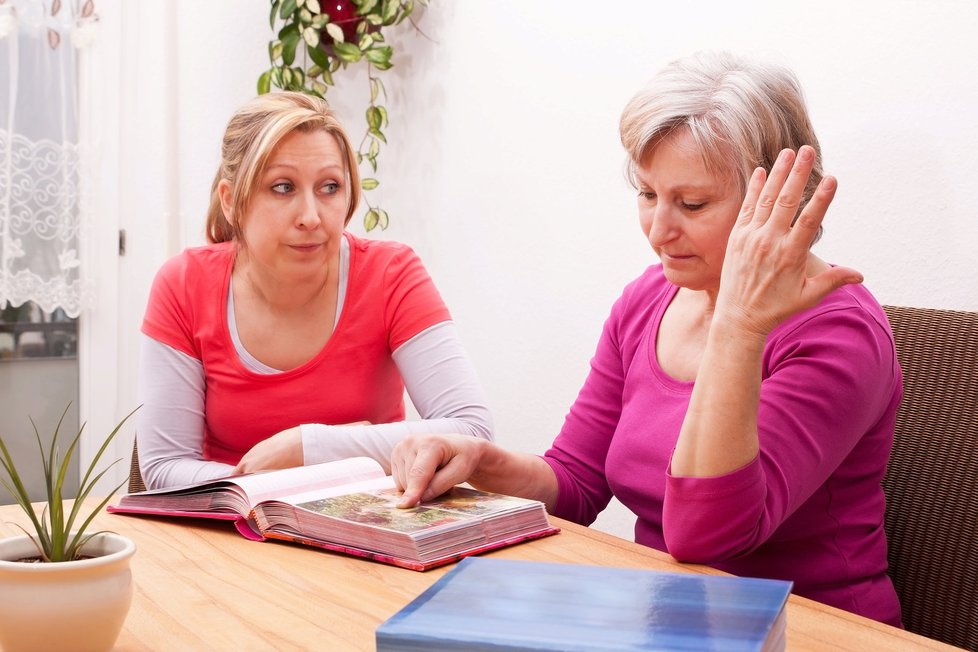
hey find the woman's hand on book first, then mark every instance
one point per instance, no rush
(426, 466)
(280, 451)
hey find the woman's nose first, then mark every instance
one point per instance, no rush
(308, 216)
(662, 224)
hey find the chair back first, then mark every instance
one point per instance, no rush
(931, 483)
(135, 477)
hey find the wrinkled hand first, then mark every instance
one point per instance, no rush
(764, 279)
(426, 466)
(280, 451)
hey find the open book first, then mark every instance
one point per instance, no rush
(349, 506)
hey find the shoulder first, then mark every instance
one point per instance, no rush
(643, 290)
(386, 257)
(196, 261)
(194, 272)
(851, 304)
(849, 325)
(379, 251)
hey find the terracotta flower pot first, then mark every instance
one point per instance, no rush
(74, 605)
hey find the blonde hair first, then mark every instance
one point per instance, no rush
(252, 134)
(740, 113)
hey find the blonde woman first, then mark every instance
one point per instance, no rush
(288, 340)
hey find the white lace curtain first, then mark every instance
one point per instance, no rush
(40, 177)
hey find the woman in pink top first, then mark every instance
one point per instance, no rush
(742, 397)
(287, 340)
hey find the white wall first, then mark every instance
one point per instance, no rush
(505, 172)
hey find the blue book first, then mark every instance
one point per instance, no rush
(486, 604)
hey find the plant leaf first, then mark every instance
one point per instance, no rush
(369, 184)
(335, 32)
(290, 40)
(18, 492)
(88, 9)
(327, 78)
(273, 14)
(265, 82)
(319, 21)
(377, 89)
(375, 118)
(348, 52)
(311, 36)
(288, 8)
(370, 220)
(366, 6)
(319, 57)
(313, 6)
(390, 11)
(384, 220)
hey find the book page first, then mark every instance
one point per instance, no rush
(371, 485)
(272, 484)
(377, 508)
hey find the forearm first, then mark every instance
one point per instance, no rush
(442, 385)
(719, 433)
(515, 474)
(325, 443)
(170, 423)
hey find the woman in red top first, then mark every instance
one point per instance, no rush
(287, 340)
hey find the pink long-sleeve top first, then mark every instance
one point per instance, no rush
(808, 509)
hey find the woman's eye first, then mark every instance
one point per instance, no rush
(647, 195)
(282, 187)
(331, 188)
(693, 207)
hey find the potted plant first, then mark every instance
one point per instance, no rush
(318, 38)
(62, 587)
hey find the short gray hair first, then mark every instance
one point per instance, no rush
(741, 114)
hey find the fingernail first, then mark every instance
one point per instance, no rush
(806, 154)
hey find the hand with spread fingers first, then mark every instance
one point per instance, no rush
(769, 272)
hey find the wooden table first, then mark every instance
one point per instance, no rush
(201, 586)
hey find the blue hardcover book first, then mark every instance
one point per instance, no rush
(486, 604)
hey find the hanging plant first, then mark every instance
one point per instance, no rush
(315, 40)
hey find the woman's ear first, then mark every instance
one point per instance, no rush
(225, 194)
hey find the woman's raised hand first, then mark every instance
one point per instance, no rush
(765, 276)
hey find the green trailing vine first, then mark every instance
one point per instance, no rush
(313, 40)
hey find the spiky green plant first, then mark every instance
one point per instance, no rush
(56, 534)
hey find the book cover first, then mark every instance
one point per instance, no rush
(350, 507)
(488, 604)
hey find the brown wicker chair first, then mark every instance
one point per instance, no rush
(135, 477)
(931, 483)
